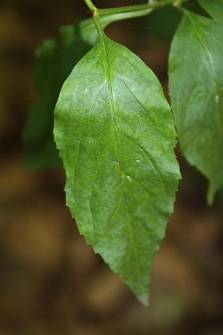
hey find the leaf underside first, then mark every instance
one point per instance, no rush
(115, 134)
(196, 90)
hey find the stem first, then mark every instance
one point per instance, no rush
(127, 15)
(127, 11)
(134, 8)
(90, 5)
(95, 13)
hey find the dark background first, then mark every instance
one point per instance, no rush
(50, 280)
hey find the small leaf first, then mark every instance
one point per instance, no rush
(214, 8)
(55, 59)
(116, 137)
(196, 90)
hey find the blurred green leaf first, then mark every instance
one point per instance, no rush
(55, 59)
(162, 23)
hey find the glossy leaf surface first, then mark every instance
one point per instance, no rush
(115, 133)
(196, 89)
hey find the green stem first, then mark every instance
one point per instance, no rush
(90, 5)
(134, 8)
(127, 11)
(127, 15)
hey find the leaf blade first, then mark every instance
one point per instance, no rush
(121, 179)
(196, 78)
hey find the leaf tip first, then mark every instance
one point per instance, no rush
(211, 194)
(143, 298)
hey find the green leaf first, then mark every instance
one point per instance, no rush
(115, 133)
(55, 59)
(161, 23)
(214, 8)
(196, 90)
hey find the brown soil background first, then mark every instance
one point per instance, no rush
(50, 280)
